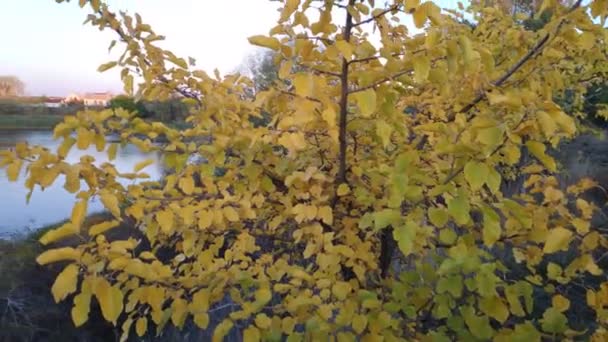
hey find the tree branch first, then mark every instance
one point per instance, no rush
(500, 81)
(304, 97)
(384, 80)
(341, 176)
(381, 14)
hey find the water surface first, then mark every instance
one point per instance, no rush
(54, 203)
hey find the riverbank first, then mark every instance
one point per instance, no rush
(28, 312)
(27, 309)
(29, 121)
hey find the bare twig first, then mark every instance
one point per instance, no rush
(379, 15)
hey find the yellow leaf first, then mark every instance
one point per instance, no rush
(65, 146)
(587, 40)
(366, 101)
(329, 115)
(512, 154)
(187, 185)
(251, 334)
(345, 49)
(341, 290)
(285, 69)
(411, 5)
(384, 131)
(205, 219)
(325, 214)
(467, 50)
(110, 299)
(81, 308)
(200, 301)
(84, 138)
(79, 212)
(558, 239)
(112, 151)
(491, 226)
(432, 38)
(438, 216)
(59, 254)
(12, 171)
(343, 190)
(100, 142)
(304, 84)
(476, 174)
(538, 150)
(110, 202)
(420, 16)
(230, 214)
(141, 326)
(179, 309)
(106, 66)
(103, 227)
(262, 297)
(65, 283)
(560, 302)
(490, 136)
(72, 180)
(494, 180)
(422, 67)
(494, 307)
(57, 234)
(222, 330)
(201, 320)
(405, 236)
(290, 7)
(459, 209)
(165, 220)
(143, 164)
(359, 323)
(546, 123)
(267, 42)
(262, 321)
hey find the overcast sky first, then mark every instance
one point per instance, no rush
(45, 44)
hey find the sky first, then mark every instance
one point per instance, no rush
(48, 48)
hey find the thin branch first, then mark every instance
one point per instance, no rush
(183, 91)
(384, 80)
(304, 97)
(324, 72)
(533, 52)
(323, 39)
(375, 17)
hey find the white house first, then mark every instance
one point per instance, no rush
(91, 99)
(54, 102)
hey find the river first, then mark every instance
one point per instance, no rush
(54, 203)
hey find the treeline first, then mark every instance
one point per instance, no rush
(170, 111)
(35, 106)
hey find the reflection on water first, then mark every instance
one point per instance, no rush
(54, 203)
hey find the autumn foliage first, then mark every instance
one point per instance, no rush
(371, 204)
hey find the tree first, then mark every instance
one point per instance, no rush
(370, 206)
(262, 69)
(129, 104)
(11, 86)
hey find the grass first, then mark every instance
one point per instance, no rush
(29, 121)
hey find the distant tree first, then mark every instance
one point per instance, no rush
(130, 104)
(11, 86)
(262, 69)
